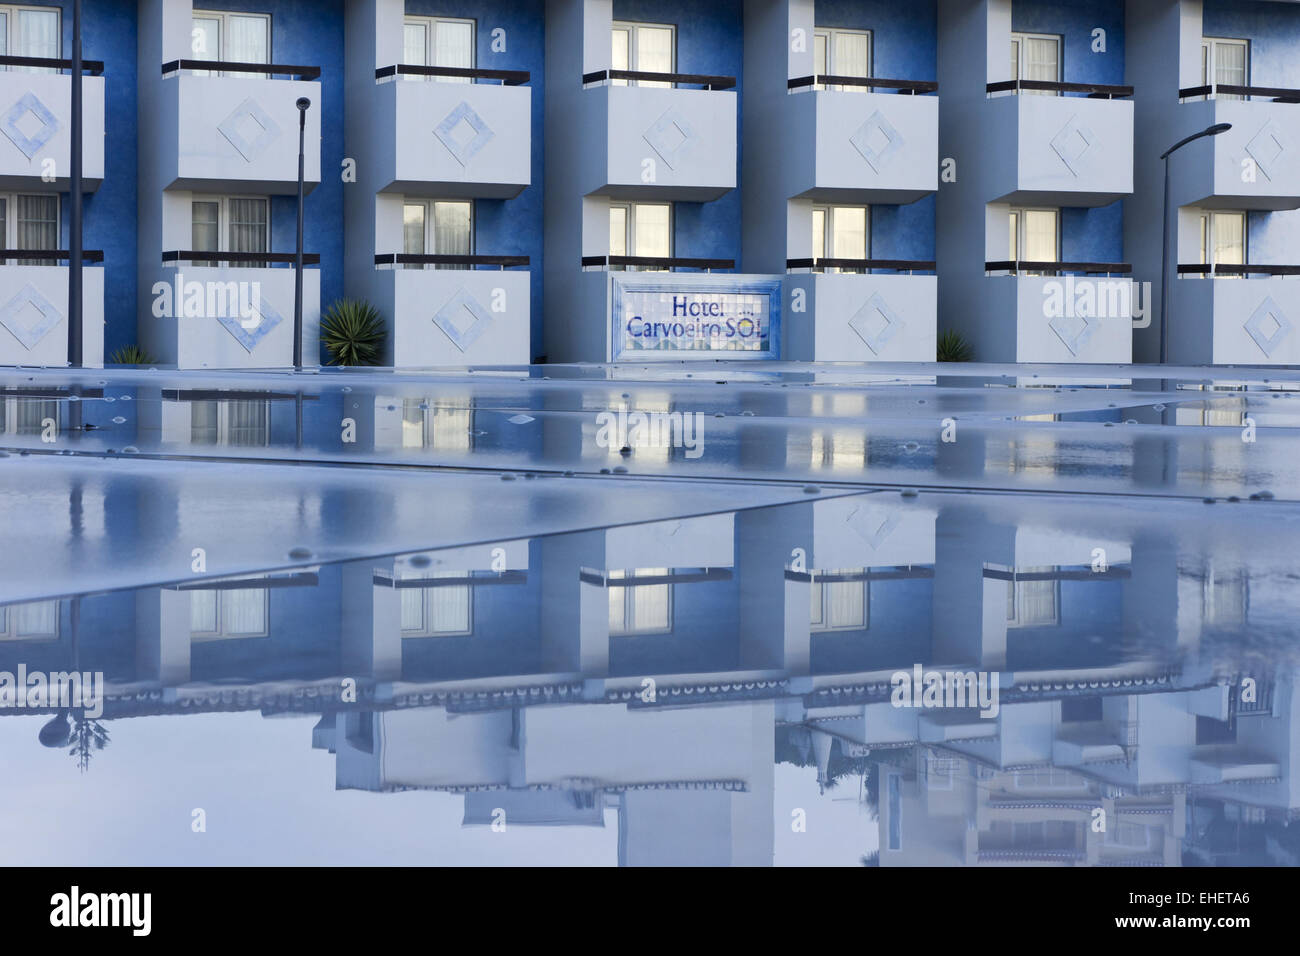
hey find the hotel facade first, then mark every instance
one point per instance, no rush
(513, 181)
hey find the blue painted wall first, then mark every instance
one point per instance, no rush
(1093, 234)
(899, 624)
(1075, 21)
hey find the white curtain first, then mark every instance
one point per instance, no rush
(1229, 238)
(203, 612)
(248, 219)
(845, 604)
(248, 40)
(852, 55)
(453, 45)
(38, 222)
(415, 45)
(650, 225)
(205, 230)
(38, 35)
(849, 230)
(243, 611)
(618, 230)
(38, 619)
(453, 230)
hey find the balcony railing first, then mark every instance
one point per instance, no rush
(1059, 268)
(93, 67)
(268, 259)
(226, 66)
(506, 77)
(868, 83)
(1237, 270)
(395, 259)
(677, 79)
(49, 255)
(1094, 91)
(861, 265)
(1210, 91)
(656, 263)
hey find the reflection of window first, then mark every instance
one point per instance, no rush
(439, 228)
(1134, 836)
(436, 611)
(1036, 57)
(439, 41)
(26, 416)
(233, 37)
(838, 605)
(641, 229)
(643, 48)
(30, 31)
(237, 612)
(940, 772)
(1225, 62)
(1223, 237)
(842, 53)
(1226, 597)
(230, 224)
(1034, 234)
(895, 791)
(1033, 603)
(640, 609)
(34, 621)
(841, 232)
(239, 422)
(1046, 778)
(444, 426)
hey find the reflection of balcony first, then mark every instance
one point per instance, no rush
(1053, 315)
(659, 143)
(861, 310)
(219, 130)
(458, 313)
(1234, 318)
(450, 139)
(36, 119)
(1264, 136)
(235, 312)
(866, 146)
(1059, 150)
(1228, 764)
(34, 303)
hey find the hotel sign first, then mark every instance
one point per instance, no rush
(668, 316)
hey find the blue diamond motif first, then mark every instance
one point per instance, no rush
(670, 136)
(1074, 338)
(15, 315)
(463, 151)
(248, 332)
(264, 131)
(29, 145)
(867, 141)
(860, 323)
(457, 307)
(1072, 142)
(1268, 309)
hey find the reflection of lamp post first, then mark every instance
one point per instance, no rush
(1165, 286)
(302, 105)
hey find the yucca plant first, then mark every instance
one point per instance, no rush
(953, 348)
(353, 332)
(132, 355)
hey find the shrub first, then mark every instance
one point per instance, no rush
(353, 332)
(953, 348)
(132, 355)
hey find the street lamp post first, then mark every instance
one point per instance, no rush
(1166, 287)
(75, 357)
(302, 104)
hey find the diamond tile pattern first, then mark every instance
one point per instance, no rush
(877, 141)
(462, 148)
(450, 318)
(249, 129)
(27, 105)
(29, 316)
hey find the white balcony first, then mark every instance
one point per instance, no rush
(1050, 318)
(456, 317)
(659, 143)
(1235, 321)
(34, 315)
(36, 130)
(230, 317)
(860, 318)
(1059, 150)
(865, 147)
(445, 139)
(1254, 165)
(218, 133)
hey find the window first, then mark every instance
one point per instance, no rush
(23, 416)
(641, 229)
(1225, 63)
(1033, 603)
(838, 605)
(438, 227)
(439, 41)
(34, 621)
(1034, 235)
(940, 772)
(30, 31)
(436, 611)
(1036, 57)
(1133, 836)
(842, 53)
(644, 48)
(242, 423)
(230, 224)
(1223, 238)
(233, 37)
(30, 222)
(1226, 598)
(640, 608)
(841, 232)
(236, 612)
(444, 426)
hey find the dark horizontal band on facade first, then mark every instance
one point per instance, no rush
(1277, 93)
(898, 265)
(251, 258)
(1108, 268)
(507, 77)
(689, 79)
(658, 262)
(873, 83)
(1238, 269)
(227, 66)
(1094, 90)
(413, 258)
(93, 67)
(87, 255)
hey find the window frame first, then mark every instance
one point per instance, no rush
(223, 17)
(1016, 231)
(9, 214)
(1209, 64)
(1014, 615)
(224, 426)
(9, 629)
(629, 628)
(630, 207)
(223, 221)
(429, 205)
(828, 211)
(827, 35)
(220, 634)
(1018, 39)
(430, 25)
(820, 626)
(1205, 228)
(426, 628)
(633, 27)
(11, 12)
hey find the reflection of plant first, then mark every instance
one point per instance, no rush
(131, 355)
(87, 735)
(353, 332)
(953, 348)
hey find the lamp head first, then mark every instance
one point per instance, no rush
(303, 103)
(1218, 128)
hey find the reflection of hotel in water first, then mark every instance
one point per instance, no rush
(513, 672)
